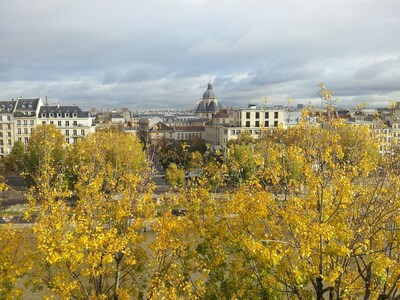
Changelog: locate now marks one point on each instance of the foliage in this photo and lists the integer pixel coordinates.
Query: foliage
(93, 249)
(175, 176)
(179, 152)
(16, 259)
(46, 149)
(311, 220)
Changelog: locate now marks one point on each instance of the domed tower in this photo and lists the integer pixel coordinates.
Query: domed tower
(209, 105)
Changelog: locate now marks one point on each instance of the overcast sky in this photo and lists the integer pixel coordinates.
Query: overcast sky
(161, 53)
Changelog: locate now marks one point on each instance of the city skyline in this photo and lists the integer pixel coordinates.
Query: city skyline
(161, 54)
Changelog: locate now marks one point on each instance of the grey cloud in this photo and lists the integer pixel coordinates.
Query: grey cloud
(161, 53)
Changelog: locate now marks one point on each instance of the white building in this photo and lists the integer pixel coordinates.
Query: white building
(74, 123)
(26, 118)
(18, 119)
(228, 125)
(6, 126)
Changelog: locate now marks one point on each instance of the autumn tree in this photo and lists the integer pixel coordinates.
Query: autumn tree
(46, 149)
(93, 249)
(175, 176)
(312, 220)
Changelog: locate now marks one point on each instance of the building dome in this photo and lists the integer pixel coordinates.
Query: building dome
(209, 94)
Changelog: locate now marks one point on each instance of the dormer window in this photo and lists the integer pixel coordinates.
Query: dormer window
(67, 115)
(51, 115)
(58, 115)
(74, 115)
(43, 115)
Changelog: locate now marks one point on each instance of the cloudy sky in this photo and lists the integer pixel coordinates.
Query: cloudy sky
(161, 53)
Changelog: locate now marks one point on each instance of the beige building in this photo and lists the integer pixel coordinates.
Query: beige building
(228, 125)
(6, 126)
(18, 119)
(74, 123)
(26, 118)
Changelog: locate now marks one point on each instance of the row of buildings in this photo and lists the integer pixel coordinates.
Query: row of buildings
(19, 117)
(209, 121)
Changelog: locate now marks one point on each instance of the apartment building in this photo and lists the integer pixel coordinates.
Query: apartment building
(25, 118)
(229, 124)
(6, 126)
(74, 123)
(18, 119)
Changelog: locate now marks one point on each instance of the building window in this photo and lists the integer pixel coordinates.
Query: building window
(43, 115)
(20, 140)
(59, 123)
(74, 132)
(83, 132)
(276, 115)
(247, 115)
(43, 122)
(257, 115)
(266, 124)
(26, 140)
(74, 115)
(75, 123)
(8, 118)
(18, 130)
(66, 123)
(58, 115)
(9, 142)
(267, 115)
(67, 132)
(67, 140)
(25, 130)
(51, 115)
(257, 123)
(25, 122)
(9, 134)
(32, 122)
(1, 150)
(247, 123)
(18, 122)
(276, 123)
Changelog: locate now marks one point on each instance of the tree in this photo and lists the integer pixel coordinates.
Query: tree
(94, 249)
(175, 176)
(16, 259)
(46, 150)
(313, 220)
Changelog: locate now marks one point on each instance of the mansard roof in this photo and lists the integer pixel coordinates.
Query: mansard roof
(65, 111)
(27, 104)
(7, 106)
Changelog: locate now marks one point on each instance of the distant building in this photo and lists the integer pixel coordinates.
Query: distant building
(229, 124)
(209, 104)
(18, 119)
(7, 126)
(74, 123)
(26, 118)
